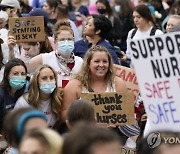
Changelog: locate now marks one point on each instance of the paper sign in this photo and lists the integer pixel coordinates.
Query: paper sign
(129, 76)
(112, 108)
(27, 29)
(126, 150)
(157, 65)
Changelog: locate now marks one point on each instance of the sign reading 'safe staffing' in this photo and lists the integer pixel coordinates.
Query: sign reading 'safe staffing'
(157, 65)
(27, 29)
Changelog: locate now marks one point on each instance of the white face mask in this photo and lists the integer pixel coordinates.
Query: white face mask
(117, 8)
(65, 47)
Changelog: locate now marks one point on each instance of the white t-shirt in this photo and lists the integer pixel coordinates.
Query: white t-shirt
(140, 35)
(51, 60)
(44, 107)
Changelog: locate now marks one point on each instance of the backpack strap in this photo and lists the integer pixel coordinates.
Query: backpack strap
(133, 33)
(153, 31)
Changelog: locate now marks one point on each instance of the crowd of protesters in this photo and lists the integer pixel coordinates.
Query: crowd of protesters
(41, 82)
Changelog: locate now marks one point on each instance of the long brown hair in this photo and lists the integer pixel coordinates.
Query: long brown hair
(85, 74)
(34, 92)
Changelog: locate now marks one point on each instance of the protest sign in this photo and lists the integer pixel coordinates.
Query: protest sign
(126, 150)
(27, 29)
(157, 65)
(112, 108)
(129, 76)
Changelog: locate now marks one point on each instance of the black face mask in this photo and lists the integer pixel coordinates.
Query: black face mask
(102, 11)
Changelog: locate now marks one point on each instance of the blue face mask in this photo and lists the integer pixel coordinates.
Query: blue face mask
(17, 82)
(47, 87)
(65, 47)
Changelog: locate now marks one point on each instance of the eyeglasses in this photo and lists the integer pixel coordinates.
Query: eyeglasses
(66, 39)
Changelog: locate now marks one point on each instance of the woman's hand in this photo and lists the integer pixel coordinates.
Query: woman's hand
(11, 45)
(124, 58)
(11, 42)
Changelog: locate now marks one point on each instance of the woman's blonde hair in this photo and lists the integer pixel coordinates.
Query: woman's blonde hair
(85, 74)
(61, 26)
(34, 92)
(50, 140)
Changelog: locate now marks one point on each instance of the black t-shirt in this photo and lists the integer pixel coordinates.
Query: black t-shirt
(7, 103)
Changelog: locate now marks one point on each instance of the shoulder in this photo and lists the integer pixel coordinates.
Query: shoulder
(79, 59)
(21, 102)
(158, 32)
(73, 86)
(120, 85)
(74, 83)
(130, 33)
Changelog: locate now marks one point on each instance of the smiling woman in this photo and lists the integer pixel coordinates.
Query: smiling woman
(96, 75)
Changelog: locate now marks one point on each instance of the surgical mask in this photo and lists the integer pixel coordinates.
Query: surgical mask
(65, 47)
(17, 82)
(102, 11)
(47, 87)
(117, 8)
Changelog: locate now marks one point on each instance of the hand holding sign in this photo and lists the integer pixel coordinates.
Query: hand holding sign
(112, 108)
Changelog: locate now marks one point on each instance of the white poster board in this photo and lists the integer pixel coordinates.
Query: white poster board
(157, 65)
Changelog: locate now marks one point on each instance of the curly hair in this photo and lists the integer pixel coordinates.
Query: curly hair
(85, 74)
(60, 26)
(103, 24)
(34, 92)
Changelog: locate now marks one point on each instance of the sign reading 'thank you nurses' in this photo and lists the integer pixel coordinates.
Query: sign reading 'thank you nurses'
(112, 108)
(157, 65)
(27, 29)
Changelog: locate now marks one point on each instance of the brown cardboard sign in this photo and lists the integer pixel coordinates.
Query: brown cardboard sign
(27, 29)
(129, 76)
(126, 150)
(112, 108)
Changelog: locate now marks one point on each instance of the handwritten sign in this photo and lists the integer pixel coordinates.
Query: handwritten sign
(157, 64)
(126, 150)
(27, 29)
(112, 108)
(129, 76)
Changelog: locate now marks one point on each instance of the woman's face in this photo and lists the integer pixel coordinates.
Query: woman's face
(171, 23)
(31, 50)
(31, 146)
(46, 75)
(89, 29)
(47, 8)
(65, 35)
(99, 64)
(100, 6)
(17, 71)
(139, 21)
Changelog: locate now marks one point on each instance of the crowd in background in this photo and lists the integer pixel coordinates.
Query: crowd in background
(41, 110)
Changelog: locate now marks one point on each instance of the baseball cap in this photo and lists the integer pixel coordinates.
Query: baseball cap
(11, 3)
(37, 12)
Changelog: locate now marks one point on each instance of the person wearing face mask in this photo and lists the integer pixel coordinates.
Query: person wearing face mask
(32, 49)
(12, 86)
(105, 9)
(43, 94)
(62, 60)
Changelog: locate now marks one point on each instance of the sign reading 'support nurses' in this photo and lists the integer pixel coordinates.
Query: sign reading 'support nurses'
(112, 108)
(157, 65)
(27, 29)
